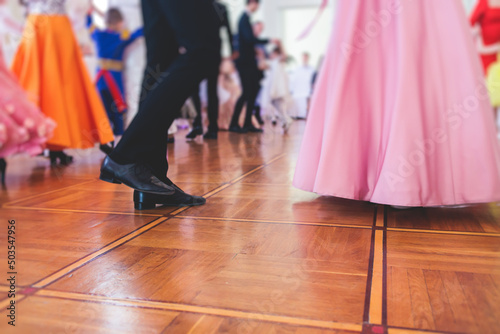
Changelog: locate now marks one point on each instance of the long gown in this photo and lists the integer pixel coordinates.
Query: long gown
(23, 128)
(400, 114)
(50, 67)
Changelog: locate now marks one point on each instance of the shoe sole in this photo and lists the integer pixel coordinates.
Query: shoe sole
(144, 201)
(140, 206)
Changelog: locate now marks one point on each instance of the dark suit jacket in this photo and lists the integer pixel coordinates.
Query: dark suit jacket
(247, 43)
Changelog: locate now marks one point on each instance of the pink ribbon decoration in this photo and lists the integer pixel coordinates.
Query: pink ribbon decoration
(314, 21)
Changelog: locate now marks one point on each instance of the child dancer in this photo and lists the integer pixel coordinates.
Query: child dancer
(111, 44)
(400, 114)
(49, 66)
(279, 92)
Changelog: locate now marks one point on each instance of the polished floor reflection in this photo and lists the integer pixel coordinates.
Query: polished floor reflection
(260, 257)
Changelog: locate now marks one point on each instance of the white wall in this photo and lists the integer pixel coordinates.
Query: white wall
(283, 19)
(286, 18)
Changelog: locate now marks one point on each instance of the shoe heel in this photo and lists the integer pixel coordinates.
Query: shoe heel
(140, 206)
(108, 177)
(143, 201)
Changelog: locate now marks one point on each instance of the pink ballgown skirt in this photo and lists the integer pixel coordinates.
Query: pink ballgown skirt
(400, 113)
(23, 128)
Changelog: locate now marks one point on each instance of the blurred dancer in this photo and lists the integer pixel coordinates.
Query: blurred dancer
(248, 70)
(302, 81)
(111, 44)
(486, 19)
(392, 120)
(23, 128)
(212, 83)
(50, 67)
(183, 46)
(262, 56)
(230, 91)
(278, 86)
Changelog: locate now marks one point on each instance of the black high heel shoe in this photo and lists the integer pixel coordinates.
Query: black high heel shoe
(61, 157)
(3, 168)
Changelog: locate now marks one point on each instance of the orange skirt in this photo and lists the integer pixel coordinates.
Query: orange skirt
(50, 67)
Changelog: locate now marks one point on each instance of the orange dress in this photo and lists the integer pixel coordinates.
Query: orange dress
(50, 67)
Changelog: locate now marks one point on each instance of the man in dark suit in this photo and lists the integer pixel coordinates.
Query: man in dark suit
(212, 83)
(183, 44)
(248, 69)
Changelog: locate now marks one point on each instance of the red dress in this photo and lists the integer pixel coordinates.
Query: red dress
(488, 19)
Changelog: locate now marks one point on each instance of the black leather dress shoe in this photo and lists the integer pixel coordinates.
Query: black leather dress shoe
(194, 133)
(137, 176)
(237, 129)
(145, 201)
(210, 135)
(252, 128)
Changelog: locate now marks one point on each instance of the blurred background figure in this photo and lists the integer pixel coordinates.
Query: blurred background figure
(262, 56)
(301, 86)
(486, 20)
(278, 86)
(229, 92)
(248, 69)
(50, 67)
(222, 17)
(111, 44)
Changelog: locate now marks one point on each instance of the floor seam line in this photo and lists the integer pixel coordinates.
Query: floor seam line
(40, 284)
(229, 184)
(205, 310)
(8, 204)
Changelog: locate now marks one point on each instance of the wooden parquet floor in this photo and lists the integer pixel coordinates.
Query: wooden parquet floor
(259, 257)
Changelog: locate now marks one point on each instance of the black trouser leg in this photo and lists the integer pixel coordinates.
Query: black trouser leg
(173, 80)
(250, 82)
(213, 98)
(197, 106)
(252, 96)
(237, 110)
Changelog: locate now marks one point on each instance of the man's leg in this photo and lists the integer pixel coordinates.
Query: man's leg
(258, 107)
(139, 160)
(197, 123)
(252, 96)
(166, 90)
(243, 99)
(197, 106)
(213, 98)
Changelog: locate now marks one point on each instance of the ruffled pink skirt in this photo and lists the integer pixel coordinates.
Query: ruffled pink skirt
(23, 128)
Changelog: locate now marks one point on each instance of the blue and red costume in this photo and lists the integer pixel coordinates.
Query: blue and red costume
(111, 47)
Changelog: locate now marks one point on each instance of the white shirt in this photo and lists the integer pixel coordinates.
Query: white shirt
(302, 81)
